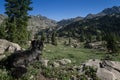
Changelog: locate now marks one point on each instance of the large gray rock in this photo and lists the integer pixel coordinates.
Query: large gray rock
(110, 70)
(64, 61)
(2, 56)
(44, 62)
(95, 45)
(8, 46)
(55, 64)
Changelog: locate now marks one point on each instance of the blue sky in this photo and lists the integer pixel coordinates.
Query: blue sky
(63, 9)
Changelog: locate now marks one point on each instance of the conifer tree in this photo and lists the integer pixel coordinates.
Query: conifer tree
(70, 41)
(111, 43)
(3, 30)
(53, 38)
(43, 37)
(48, 38)
(17, 11)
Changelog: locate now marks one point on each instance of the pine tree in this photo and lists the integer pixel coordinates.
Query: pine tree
(43, 37)
(111, 43)
(70, 41)
(82, 37)
(3, 30)
(17, 11)
(53, 38)
(48, 38)
(89, 38)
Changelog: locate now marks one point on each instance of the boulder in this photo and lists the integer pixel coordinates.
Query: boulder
(8, 46)
(44, 62)
(110, 70)
(2, 56)
(95, 45)
(55, 64)
(64, 61)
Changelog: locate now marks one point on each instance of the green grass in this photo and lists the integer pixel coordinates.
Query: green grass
(77, 55)
(51, 52)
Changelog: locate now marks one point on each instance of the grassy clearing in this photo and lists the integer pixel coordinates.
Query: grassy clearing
(77, 55)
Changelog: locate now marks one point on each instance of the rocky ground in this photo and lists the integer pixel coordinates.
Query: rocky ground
(91, 70)
(64, 68)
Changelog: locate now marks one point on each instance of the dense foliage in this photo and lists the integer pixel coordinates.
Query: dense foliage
(16, 25)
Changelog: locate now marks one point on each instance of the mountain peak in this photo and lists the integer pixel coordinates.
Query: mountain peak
(113, 10)
(107, 11)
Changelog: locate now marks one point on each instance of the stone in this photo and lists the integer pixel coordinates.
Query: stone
(8, 46)
(95, 45)
(64, 61)
(110, 70)
(2, 50)
(55, 64)
(2, 56)
(31, 77)
(44, 62)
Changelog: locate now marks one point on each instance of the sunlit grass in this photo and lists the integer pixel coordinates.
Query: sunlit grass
(77, 55)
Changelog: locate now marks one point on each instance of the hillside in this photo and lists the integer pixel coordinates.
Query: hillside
(36, 23)
(94, 24)
(65, 22)
(107, 11)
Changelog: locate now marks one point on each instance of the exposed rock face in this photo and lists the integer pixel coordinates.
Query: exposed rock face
(107, 11)
(44, 62)
(68, 21)
(64, 61)
(56, 63)
(37, 23)
(2, 56)
(8, 46)
(95, 45)
(106, 70)
(114, 9)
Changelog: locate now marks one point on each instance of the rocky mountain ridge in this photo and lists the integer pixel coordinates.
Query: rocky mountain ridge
(36, 23)
(68, 21)
(107, 11)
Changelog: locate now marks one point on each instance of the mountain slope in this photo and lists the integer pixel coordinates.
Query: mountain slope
(107, 11)
(65, 22)
(94, 26)
(36, 23)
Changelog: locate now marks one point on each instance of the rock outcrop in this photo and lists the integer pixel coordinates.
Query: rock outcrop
(8, 46)
(95, 45)
(37, 23)
(107, 11)
(106, 70)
